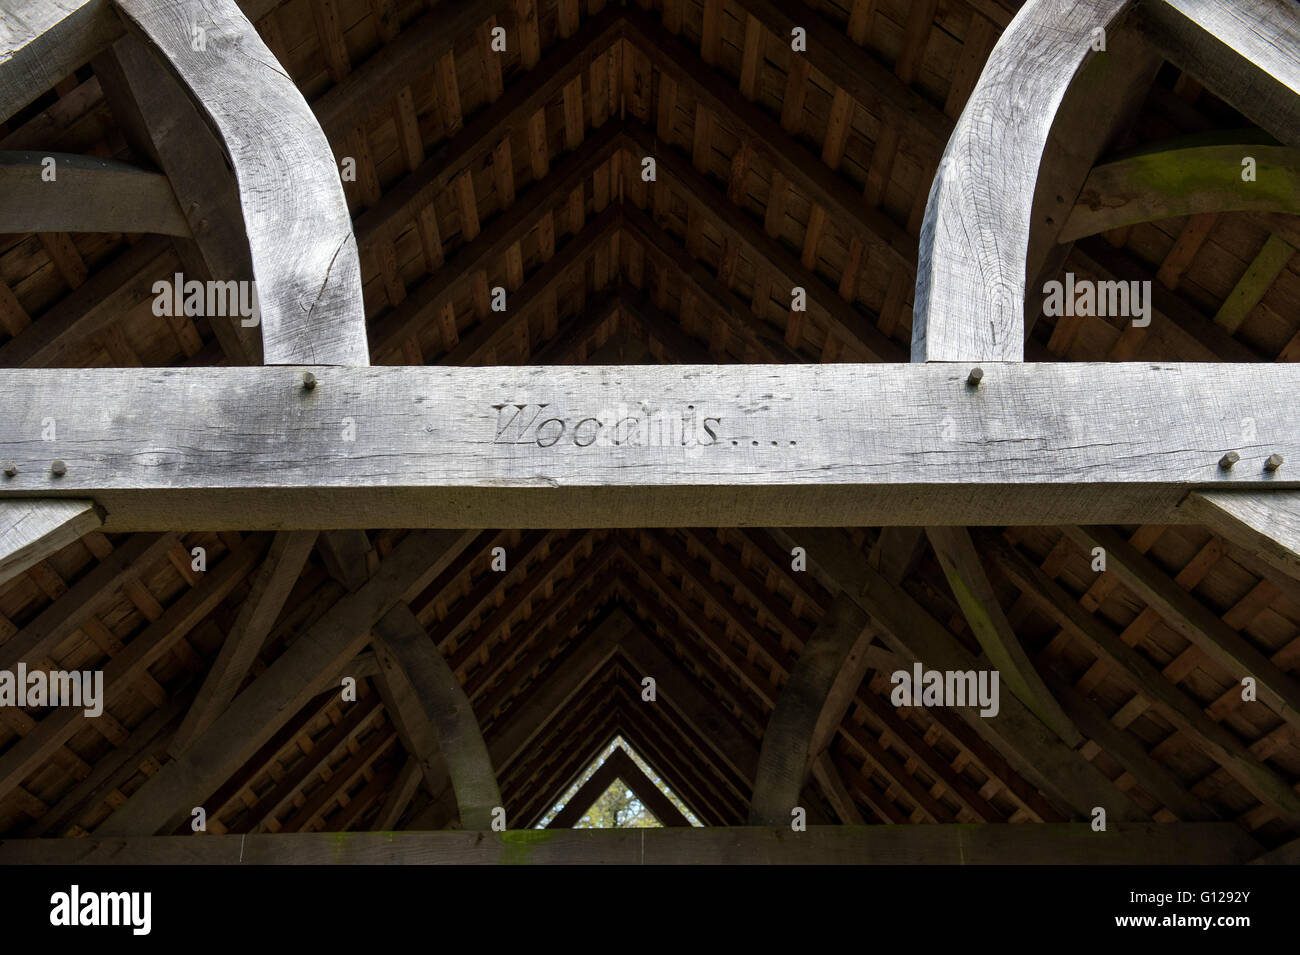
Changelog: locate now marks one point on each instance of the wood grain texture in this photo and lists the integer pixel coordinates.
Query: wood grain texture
(808, 702)
(41, 43)
(88, 194)
(838, 445)
(405, 652)
(32, 530)
(1203, 843)
(1185, 180)
(1245, 53)
(970, 283)
(1266, 523)
(304, 254)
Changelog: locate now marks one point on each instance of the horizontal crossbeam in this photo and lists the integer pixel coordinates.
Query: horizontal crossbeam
(1047, 844)
(806, 445)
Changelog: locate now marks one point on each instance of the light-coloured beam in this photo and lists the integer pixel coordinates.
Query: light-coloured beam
(86, 194)
(1049, 844)
(407, 655)
(838, 445)
(970, 282)
(41, 43)
(1243, 52)
(1182, 179)
(32, 530)
(1266, 523)
(809, 710)
(299, 230)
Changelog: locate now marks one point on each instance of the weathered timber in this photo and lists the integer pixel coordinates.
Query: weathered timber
(970, 282)
(299, 230)
(1266, 523)
(41, 43)
(86, 194)
(809, 709)
(1048, 844)
(31, 530)
(839, 445)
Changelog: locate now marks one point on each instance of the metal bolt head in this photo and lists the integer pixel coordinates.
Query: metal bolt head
(10, 469)
(1274, 462)
(975, 377)
(58, 468)
(1229, 459)
(308, 380)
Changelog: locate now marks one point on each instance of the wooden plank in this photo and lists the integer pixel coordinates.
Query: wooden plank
(862, 444)
(406, 653)
(129, 664)
(1266, 523)
(970, 285)
(979, 604)
(1242, 52)
(1254, 283)
(812, 704)
(1191, 843)
(1193, 620)
(88, 194)
(299, 230)
(32, 530)
(1143, 676)
(1176, 179)
(257, 615)
(295, 677)
(1035, 751)
(42, 43)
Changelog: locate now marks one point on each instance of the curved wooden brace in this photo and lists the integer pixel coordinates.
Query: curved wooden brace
(970, 280)
(300, 234)
(87, 194)
(1171, 181)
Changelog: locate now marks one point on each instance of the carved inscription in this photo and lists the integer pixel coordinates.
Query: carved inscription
(538, 424)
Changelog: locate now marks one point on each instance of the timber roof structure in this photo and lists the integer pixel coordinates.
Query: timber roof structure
(651, 184)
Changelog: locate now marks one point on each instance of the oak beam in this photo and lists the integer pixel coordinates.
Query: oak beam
(1047, 844)
(41, 43)
(838, 445)
(407, 654)
(1265, 523)
(809, 710)
(299, 229)
(970, 283)
(32, 530)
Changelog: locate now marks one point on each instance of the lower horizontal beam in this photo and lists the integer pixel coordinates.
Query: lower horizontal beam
(560, 446)
(992, 844)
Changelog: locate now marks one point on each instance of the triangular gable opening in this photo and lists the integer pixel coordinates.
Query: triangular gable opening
(618, 790)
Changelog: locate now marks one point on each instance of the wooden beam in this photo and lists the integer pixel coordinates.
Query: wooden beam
(1192, 843)
(128, 665)
(32, 530)
(907, 627)
(586, 796)
(1266, 523)
(1145, 678)
(295, 677)
(1242, 52)
(299, 229)
(42, 43)
(1193, 620)
(618, 766)
(979, 605)
(1181, 179)
(811, 707)
(407, 654)
(134, 442)
(87, 194)
(970, 283)
(257, 615)
(399, 795)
